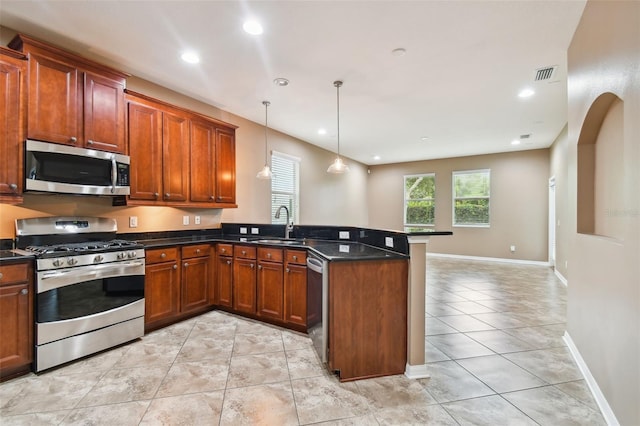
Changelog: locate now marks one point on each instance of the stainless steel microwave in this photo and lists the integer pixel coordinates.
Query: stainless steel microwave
(66, 169)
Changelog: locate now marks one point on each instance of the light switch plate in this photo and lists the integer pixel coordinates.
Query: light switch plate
(243, 229)
(133, 221)
(388, 241)
(255, 231)
(185, 220)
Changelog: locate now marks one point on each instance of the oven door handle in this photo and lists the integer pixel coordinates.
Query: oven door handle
(55, 279)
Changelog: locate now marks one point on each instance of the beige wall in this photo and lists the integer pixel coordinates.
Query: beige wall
(604, 273)
(559, 158)
(325, 199)
(518, 204)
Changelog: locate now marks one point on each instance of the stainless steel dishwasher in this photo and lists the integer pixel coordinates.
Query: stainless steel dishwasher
(318, 294)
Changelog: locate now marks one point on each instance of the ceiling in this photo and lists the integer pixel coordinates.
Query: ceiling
(453, 93)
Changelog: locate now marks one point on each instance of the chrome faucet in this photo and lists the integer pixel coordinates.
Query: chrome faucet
(289, 227)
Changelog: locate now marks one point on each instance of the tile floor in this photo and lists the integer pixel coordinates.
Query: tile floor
(494, 348)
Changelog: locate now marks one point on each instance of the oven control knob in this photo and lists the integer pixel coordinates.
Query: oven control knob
(72, 261)
(121, 255)
(98, 259)
(58, 263)
(132, 255)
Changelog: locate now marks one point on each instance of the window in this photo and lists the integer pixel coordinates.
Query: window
(419, 201)
(285, 183)
(471, 198)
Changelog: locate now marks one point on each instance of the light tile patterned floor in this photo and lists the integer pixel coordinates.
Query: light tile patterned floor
(494, 348)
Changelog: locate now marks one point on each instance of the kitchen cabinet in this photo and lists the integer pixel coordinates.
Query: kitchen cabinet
(13, 67)
(178, 157)
(16, 318)
(368, 318)
(72, 100)
(270, 288)
(223, 293)
(295, 290)
(196, 267)
(162, 286)
(244, 279)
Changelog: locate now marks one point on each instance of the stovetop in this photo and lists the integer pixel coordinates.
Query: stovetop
(79, 248)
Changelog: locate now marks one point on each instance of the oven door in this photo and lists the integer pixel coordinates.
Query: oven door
(73, 301)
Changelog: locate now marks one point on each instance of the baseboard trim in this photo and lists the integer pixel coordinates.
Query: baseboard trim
(605, 408)
(490, 259)
(562, 279)
(416, 371)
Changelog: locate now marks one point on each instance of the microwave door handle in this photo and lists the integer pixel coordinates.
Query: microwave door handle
(114, 173)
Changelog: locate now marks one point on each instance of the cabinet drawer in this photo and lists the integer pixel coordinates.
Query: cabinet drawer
(199, 250)
(225, 250)
(244, 252)
(11, 274)
(297, 256)
(270, 254)
(165, 254)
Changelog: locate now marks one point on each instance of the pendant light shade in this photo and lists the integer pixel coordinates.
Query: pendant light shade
(265, 173)
(338, 166)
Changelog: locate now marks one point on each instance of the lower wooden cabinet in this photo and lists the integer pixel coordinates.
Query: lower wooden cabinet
(244, 279)
(270, 298)
(16, 318)
(176, 283)
(295, 289)
(223, 284)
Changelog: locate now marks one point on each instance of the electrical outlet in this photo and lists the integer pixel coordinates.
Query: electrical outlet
(388, 241)
(133, 221)
(255, 231)
(513, 249)
(185, 220)
(343, 235)
(243, 230)
(196, 220)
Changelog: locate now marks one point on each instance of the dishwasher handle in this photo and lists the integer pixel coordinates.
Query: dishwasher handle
(316, 265)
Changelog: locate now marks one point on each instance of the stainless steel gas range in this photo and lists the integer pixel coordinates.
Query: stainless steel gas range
(89, 286)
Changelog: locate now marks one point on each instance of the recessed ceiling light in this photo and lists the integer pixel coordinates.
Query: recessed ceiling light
(253, 27)
(424, 138)
(399, 51)
(376, 157)
(190, 57)
(322, 131)
(515, 142)
(281, 82)
(526, 93)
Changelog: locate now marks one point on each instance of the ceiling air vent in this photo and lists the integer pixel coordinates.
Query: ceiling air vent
(545, 73)
(527, 136)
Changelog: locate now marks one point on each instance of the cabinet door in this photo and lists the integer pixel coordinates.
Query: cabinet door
(203, 154)
(295, 294)
(244, 285)
(11, 125)
(161, 292)
(225, 166)
(16, 318)
(270, 290)
(175, 157)
(195, 284)
(54, 104)
(145, 149)
(224, 282)
(104, 113)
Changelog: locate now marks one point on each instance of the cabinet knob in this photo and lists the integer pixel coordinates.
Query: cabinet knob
(259, 267)
(167, 195)
(156, 195)
(175, 266)
(90, 142)
(252, 266)
(186, 264)
(269, 255)
(244, 252)
(73, 139)
(24, 291)
(224, 250)
(228, 262)
(163, 255)
(295, 257)
(13, 186)
(288, 270)
(0, 275)
(211, 197)
(197, 251)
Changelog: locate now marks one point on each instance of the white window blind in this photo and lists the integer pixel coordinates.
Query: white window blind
(285, 183)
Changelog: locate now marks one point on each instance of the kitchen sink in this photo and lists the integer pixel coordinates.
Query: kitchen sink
(279, 241)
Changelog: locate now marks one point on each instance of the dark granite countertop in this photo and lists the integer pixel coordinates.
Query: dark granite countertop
(10, 255)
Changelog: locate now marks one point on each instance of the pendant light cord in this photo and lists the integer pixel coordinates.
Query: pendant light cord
(266, 125)
(338, 83)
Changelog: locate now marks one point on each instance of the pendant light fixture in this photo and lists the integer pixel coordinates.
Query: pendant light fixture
(265, 173)
(338, 166)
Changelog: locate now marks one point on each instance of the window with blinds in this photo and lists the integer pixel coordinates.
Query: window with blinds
(285, 184)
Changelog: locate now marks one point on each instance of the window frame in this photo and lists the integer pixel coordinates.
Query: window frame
(406, 225)
(295, 212)
(454, 199)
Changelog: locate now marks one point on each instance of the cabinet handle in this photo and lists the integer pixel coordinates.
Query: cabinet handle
(163, 255)
(90, 142)
(13, 187)
(24, 291)
(73, 139)
(175, 266)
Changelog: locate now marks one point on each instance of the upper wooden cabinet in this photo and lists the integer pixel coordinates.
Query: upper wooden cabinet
(72, 100)
(12, 124)
(179, 157)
